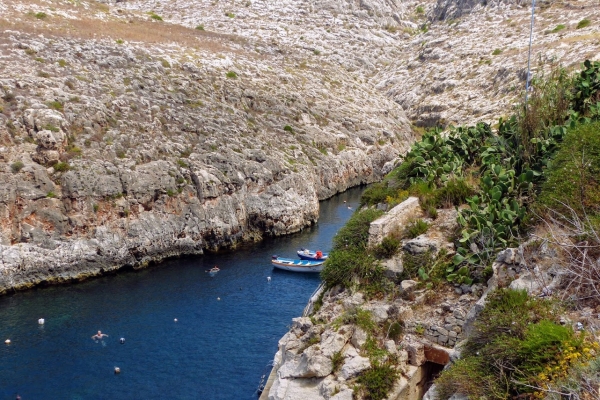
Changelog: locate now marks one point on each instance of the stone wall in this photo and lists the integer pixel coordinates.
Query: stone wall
(394, 220)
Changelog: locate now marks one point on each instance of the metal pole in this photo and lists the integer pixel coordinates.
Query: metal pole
(529, 56)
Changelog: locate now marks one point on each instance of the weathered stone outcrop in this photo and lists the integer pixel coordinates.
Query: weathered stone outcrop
(304, 363)
(118, 153)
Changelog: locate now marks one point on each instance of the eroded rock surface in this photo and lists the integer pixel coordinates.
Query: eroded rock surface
(152, 140)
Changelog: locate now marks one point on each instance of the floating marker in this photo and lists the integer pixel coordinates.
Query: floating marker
(218, 298)
(117, 370)
(175, 320)
(7, 341)
(268, 279)
(41, 321)
(122, 340)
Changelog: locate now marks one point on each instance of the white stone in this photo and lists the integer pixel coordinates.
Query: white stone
(354, 366)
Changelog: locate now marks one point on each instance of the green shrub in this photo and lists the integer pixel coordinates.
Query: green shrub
(182, 163)
(355, 234)
(62, 63)
(165, 63)
(155, 17)
(288, 128)
(543, 343)
(56, 105)
(61, 167)
(496, 52)
(95, 207)
(119, 41)
(469, 376)
(16, 166)
(349, 267)
(393, 330)
(583, 23)
(420, 10)
(547, 106)
(572, 181)
(387, 248)
(558, 28)
(587, 90)
(51, 195)
(337, 360)
(376, 382)
(416, 228)
(50, 127)
(316, 52)
(513, 339)
(377, 193)
(412, 264)
(231, 75)
(364, 320)
(200, 27)
(73, 150)
(230, 15)
(40, 15)
(454, 193)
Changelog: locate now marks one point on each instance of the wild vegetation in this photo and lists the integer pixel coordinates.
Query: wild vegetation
(519, 349)
(499, 173)
(539, 165)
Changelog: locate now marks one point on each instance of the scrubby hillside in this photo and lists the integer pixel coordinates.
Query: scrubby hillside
(134, 130)
(126, 139)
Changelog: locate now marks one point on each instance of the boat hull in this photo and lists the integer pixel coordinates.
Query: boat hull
(298, 265)
(311, 255)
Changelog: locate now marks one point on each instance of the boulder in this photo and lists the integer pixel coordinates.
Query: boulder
(295, 389)
(408, 286)
(354, 364)
(346, 394)
(359, 337)
(392, 267)
(420, 245)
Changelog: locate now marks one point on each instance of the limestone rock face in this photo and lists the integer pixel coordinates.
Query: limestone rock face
(132, 153)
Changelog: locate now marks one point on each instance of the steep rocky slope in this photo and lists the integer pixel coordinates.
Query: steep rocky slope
(134, 130)
(444, 61)
(164, 140)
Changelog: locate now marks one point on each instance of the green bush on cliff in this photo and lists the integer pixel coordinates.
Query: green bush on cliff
(516, 348)
(350, 262)
(572, 182)
(510, 163)
(355, 234)
(376, 382)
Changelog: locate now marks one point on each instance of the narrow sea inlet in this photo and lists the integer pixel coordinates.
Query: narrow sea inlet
(226, 331)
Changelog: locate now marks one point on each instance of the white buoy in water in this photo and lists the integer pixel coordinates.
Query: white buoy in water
(175, 320)
(268, 279)
(7, 341)
(41, 321)
(122, 340)
(117, 370)
(218, 298)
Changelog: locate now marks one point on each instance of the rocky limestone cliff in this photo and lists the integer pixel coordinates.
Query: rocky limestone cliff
(164, 140)
(133, 130)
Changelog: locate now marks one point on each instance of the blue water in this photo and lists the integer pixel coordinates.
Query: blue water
(218, 349)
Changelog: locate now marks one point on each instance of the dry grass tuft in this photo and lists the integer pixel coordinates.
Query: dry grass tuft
(94, 21)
